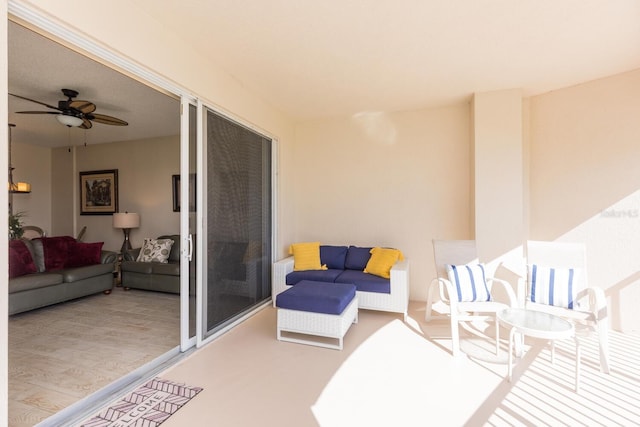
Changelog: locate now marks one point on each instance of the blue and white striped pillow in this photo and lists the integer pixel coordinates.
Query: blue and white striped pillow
(553, 286)
(470, 282)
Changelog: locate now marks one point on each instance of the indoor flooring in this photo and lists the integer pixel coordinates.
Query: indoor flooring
(62, 353)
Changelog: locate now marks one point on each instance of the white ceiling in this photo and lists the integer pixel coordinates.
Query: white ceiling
(314, 59)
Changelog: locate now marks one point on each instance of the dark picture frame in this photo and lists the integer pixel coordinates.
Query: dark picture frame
(99, 192)
(175, 181)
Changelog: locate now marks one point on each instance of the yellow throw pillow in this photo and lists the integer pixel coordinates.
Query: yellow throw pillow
(381, 261)
(306, 256)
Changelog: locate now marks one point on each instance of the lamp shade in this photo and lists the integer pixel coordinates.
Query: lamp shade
(126, 220)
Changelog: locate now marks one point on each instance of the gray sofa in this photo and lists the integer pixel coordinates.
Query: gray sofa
(152, 276)
(43, 288)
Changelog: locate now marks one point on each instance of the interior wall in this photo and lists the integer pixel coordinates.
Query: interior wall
(144, 169)
(376, 179)
(64, 190)
(585, 182)
(32, 164)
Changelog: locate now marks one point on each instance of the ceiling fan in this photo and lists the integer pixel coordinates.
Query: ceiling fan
(72, 112)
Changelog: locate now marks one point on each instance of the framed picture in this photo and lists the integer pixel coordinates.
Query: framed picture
(175, 181)
(99, 192)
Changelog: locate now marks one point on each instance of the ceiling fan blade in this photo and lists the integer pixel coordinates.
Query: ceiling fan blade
(37, 112)
(82, 106)
(107, 120)
(86, 124)
(37, 102)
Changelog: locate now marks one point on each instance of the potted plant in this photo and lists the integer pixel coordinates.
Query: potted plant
(15, 225)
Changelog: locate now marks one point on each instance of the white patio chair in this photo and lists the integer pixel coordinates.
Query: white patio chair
(558, 265)
(453, 295)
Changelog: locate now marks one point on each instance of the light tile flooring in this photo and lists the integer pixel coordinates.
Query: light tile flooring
(395, 373)
(62, 353)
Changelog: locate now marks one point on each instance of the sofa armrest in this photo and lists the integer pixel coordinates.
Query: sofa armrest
(131, 254)
(108, 257)
(400, 283)
(280, 270)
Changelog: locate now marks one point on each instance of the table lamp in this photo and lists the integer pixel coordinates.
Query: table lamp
(126, 221)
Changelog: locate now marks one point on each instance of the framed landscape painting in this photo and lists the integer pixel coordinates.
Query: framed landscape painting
(99, 192)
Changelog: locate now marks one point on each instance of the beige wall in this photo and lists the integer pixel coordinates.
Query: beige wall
(33, 165)
(144, 186)
(395, 180)
(585, 182)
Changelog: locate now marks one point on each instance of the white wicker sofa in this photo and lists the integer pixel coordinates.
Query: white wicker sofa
(392, 296)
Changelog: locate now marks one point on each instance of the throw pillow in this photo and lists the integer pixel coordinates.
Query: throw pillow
(81, 254)
(553, 286)
(20, 259)
(333, 256)
(56, 250)
(469, 281)
(306, 256)
(357, 258)
(155, 250)
(381, 261)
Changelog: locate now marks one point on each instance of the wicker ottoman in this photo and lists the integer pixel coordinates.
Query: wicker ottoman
(317, 308)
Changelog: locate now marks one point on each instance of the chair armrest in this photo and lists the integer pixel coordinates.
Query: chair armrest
(597, 302)
(108, 257)
(280, 270)
(131, 254)
(506, 286)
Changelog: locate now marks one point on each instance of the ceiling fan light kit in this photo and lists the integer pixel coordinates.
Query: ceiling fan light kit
(70, 121)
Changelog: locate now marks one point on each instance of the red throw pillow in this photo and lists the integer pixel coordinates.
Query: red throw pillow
(56, 251)
(20, 259)
(81, 254)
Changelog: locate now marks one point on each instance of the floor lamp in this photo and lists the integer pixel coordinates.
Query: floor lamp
(126, 221)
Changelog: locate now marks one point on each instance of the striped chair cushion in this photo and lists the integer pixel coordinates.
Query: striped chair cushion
(553, 286)
(470, 282)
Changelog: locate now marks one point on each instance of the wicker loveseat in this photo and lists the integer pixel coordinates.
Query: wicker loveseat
(346, 264)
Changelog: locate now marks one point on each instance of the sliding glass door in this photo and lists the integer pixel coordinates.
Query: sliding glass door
(237, 221)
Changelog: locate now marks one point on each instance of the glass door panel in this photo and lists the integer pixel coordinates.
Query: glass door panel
(238, 221)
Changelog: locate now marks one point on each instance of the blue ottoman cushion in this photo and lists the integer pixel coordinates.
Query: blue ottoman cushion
(329, 276)
(317, 297)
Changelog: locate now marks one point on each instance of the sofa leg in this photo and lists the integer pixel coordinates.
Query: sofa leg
(107, 292)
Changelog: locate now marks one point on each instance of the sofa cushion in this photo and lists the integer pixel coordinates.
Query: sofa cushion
(365, 282)
(74, 274)
(306, 256)
(169, 269)
(316, 297)
(81, 254)
(34, 281)
(136, 267)
(155, 250)
(20, 259)
(317, 275)
(357, 258)
(381, 261)
(333, 256)
(55, 251)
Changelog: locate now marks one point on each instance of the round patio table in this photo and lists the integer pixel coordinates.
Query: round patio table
(537, 324)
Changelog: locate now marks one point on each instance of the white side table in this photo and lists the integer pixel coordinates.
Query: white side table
(537, 324)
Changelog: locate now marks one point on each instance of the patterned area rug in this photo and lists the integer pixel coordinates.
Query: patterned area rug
(149, 405)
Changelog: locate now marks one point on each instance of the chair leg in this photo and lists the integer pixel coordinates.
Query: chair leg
(603, 338)
(497, 334)
(455, 335)
(427, 311)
